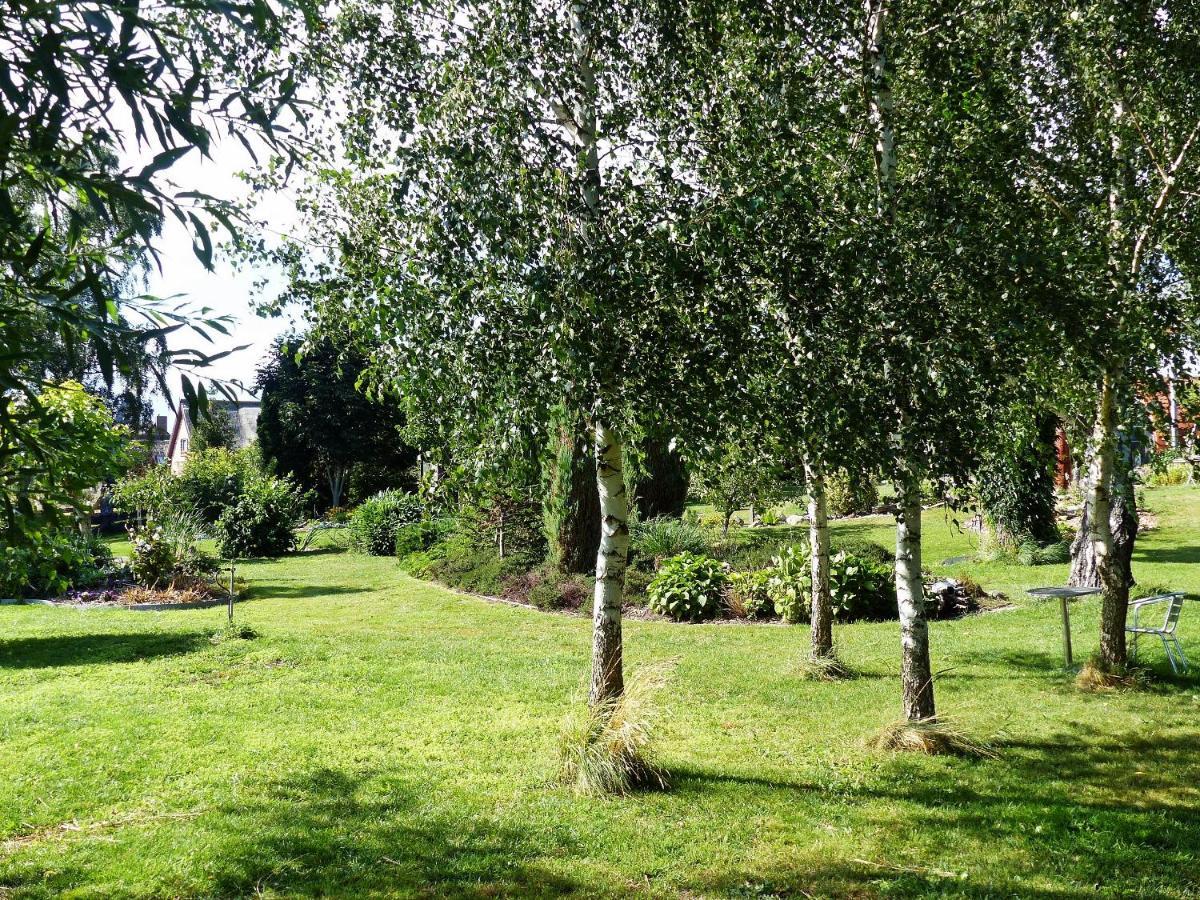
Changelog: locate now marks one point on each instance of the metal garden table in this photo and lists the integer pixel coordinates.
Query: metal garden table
(1064, 594)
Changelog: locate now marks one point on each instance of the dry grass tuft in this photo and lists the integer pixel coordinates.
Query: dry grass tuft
(934, 737)
(824, 668)
(1095, 677)
(604, 749)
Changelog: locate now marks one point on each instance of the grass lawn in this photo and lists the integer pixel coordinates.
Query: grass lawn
(386, 737)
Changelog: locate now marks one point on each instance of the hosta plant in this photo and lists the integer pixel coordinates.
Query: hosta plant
(689, 587)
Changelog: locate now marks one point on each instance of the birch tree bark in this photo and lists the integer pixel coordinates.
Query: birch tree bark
(608, 679)
(916, 679)
(1113, 582)
(915, 673)
(818, 538)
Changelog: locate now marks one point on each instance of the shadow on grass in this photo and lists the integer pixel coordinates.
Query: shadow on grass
(336, 833)
(94, 649)
(1180, 554)
(260, 590)
(1073, 814)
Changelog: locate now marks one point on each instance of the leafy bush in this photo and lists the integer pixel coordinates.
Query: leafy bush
(262, 520)
(416, 537)
(788, 583)
(374, 524)
(756, 549)
(865, 549)
(847, 495)
(50, 563)
(150, 494)
(771, 517)
(1031, 554)
(637, 583)
(689, 588)
(657, 539)
(213, 479)
(166, 553)
(749, 597)
(1170, 475)
(859, 588)
(559, 592)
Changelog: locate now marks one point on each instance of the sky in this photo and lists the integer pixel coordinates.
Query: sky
(225, 290)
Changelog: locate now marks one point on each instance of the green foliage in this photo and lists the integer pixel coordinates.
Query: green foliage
(789, 583)
(750, 594)
(656, 539)
(1030, 553)
(164, 553)
(376, 521)
(637, 586)
(50, 563)
(319, 428)
(864, 549)
(214, 430)
(151, 493)
(848, 494)
(262, 521)
(859, 587)
(78, 446)
(1015, 483)
(689, 588)
(553, 591)
(418, 537)
(82, 211)
(460, 561)
(736, 476)
(212, 480)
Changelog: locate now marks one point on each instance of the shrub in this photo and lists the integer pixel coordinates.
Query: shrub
(553, 593)
(757, 549)
(657, 539)
(858, 588)
(788, 583)
(749, 597)
(213, 479)
(416, 537)
(461, 562)
(373, 525)
(1031, 554)
(262, 520)
(1170, 475)
(867, 550)
(637, 583)
(165, 553)
(150, 494)
(771, 517)
(847, 495)
(51, 563)
(689, 588)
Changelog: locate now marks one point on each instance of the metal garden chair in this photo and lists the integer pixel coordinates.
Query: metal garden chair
(1166, 632)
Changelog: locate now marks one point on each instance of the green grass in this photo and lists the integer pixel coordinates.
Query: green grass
(386, 737)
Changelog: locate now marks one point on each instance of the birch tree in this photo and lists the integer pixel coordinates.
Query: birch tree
(509, 239)
(1114, 92)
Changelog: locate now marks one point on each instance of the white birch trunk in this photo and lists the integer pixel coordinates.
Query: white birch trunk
(915, 672)
(880, 106)
(818, 539)
(1113, 583)
(608, 679)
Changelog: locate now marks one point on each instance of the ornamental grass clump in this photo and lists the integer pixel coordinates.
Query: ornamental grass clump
(933, 737)
(604, 748)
